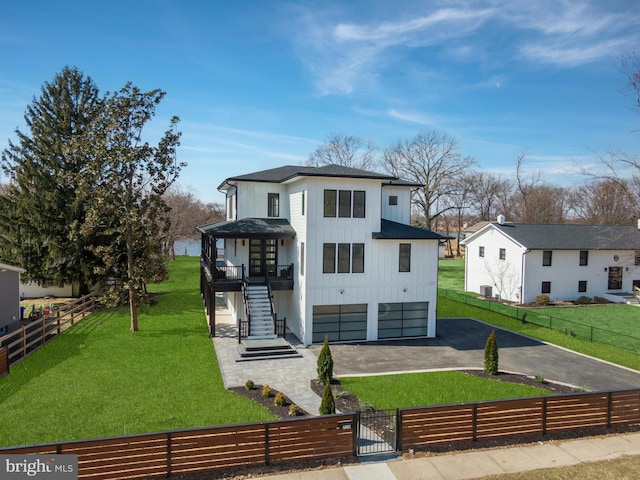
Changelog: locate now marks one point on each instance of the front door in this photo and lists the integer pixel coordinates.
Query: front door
(262, 252)
(615, 278)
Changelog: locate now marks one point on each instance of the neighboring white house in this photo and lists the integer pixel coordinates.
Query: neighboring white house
(518, 262)
(9, 297)
(33, 290)
(338, 250)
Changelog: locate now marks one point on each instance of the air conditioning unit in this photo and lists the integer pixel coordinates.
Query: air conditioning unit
(485, 291)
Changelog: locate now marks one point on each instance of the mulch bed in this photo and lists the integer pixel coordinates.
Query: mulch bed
(255, 394)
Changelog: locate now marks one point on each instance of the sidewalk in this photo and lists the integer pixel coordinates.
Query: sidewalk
(477, 464)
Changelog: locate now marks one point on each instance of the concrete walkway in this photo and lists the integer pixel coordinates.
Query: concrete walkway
(291, 376)
(478, 464)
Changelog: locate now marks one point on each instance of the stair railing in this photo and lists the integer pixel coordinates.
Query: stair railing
(244, 326)
(274, 315)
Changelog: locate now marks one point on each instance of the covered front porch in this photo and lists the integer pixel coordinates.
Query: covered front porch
(236, 254)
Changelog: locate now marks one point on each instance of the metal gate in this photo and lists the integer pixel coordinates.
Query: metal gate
(377, 431)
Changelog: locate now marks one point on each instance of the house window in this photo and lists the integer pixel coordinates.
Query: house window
(546, 258)
(582, 286)
(344, 257)
(503, 254)
(615, 278)
(330, 202)
(481, 251)
(393, 200)
(359, 200)
(304, 195)
(273, 208)
(329, 258)
(357, 258)
(546, 287)
(302, 258)
(404, 263)
(584, 258)
(344, 205)
(637, 257)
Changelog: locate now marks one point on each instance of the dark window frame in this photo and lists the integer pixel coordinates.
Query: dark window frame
(329, 252)
(330, 203)
(545, 288)
(481, 251)
(273, 204)
(547, 258)
(584, 258)
(393, 200)
(582, 286)
(357, 258)
(344, 258)
(359, 203)
(404, 257)
(344, 203)
(502, 254)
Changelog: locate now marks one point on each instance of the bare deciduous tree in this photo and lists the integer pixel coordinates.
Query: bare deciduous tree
(345, 150)
(604, 202)
(486, 193)
(433, 160)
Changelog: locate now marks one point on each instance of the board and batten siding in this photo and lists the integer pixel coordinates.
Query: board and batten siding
(253, 199)
(400, 213)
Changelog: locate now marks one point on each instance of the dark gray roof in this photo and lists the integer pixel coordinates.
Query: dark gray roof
(402, 183)
(250, 228)
(399, 231)
(573, 237)
(282, 174)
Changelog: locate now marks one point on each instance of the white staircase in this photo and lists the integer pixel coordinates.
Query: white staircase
(259, 309)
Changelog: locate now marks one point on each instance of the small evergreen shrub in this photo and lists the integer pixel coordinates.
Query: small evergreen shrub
(280, 400)
(294, 410)
(325, 363)
(267, 391)
(491, 355)
(600, 300)
(328, 404)
(249, 385)
(584, 300)
(539, 379)
(542, 299)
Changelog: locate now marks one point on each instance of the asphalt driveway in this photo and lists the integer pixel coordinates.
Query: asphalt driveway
(460, 345)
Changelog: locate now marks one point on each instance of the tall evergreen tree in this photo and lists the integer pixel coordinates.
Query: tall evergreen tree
(127, 185)
(42, 208)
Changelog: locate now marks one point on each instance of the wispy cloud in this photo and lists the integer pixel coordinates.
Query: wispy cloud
(346, 55)
(413, 117)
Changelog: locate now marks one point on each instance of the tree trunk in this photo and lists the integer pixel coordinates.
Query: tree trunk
(130, 281)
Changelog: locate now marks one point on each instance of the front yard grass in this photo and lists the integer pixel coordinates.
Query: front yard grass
(98, 379)
(432, 388)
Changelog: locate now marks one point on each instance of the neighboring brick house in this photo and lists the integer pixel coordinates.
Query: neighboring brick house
(566, 261)
(337, 249)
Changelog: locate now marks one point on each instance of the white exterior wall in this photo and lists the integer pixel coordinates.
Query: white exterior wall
(253, 199)
(504, 276)
(565, 272)
(292, 304)
(33, 290)
(401, 212)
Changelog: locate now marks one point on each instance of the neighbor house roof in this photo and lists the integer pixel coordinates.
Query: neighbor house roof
(571, 236)
(250, 227)
(11, 268)
(287, 172)
(399, 231)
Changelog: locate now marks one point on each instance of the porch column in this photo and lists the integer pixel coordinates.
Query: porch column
(212, 312)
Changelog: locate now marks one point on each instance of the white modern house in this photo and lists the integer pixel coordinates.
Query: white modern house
(517, 262)
(330, 249)
(9, 297)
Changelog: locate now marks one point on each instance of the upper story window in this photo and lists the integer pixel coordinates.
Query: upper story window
(503, 253)
(273, 205)
(350, 258)
(344, 206)
(393, 200)
(330, 203)
(345, 203)
(584, 258)
(481, 251)
(546, 258)
(404, 263)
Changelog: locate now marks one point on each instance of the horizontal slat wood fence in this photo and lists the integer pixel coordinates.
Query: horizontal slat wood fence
(423, 427)
(207, 449)
(33, 335)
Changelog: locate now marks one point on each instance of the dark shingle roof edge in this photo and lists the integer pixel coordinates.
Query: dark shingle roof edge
(250, 227)
(390, 230)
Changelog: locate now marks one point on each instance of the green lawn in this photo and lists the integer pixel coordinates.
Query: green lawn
(451, 274)
(98, 379)
(434, 388)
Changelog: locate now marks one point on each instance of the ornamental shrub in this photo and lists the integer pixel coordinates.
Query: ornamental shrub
(491, 355)
(249, 385)
(584, 300)
(280, 400)
(325, 363)
(542, 299)
(294, 410)
(267, 391)
(328, 404)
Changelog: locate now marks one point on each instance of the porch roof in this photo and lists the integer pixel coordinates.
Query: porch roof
(399, 231)
(250, 228)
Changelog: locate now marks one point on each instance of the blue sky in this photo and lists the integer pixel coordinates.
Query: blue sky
(260, 84)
